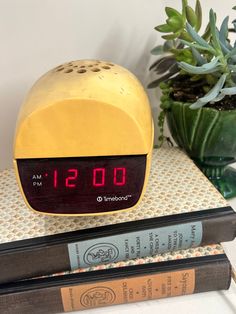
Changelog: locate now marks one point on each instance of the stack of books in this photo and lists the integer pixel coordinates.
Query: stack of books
(167, 246)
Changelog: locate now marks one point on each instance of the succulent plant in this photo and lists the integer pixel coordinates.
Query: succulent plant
(209, 57)
(186, 52)
(173, 50)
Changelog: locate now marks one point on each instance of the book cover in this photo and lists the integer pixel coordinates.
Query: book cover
(170, 274)
(181, 209)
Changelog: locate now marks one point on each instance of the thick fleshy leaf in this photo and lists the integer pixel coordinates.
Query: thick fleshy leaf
(164, 28)
(153, 65)
(184, 5)
(231, 53)
(225, 92)
(185, 36)
(173, 70)
(191, 16)
(160, 60)
(224, 30)
(211, 95)
(198, 57)
(187, 43)
(198, 12)
(169, 44)
(171, 37)
(178, 44)
(172, 12)
(165, 65)
(207, 33)
(175, 23)
(224, 49)
(223, 35)
(199, 40)
(232, 60)
(158, 50)
(218, 98)
(214, 33)
(206, 68)
(228, 91)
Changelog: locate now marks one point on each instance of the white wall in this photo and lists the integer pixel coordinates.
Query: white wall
(36, 35)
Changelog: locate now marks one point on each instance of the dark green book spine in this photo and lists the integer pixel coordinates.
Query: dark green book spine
(113, 243)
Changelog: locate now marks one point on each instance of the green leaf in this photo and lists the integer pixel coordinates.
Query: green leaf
(198, 57)
(185, 36)
(154, 64)
(218, 98)
(169, 44)
(214, 33)
(164, 65)
(184, 5)
(207, 33)
(206, 68)
(231, 53)
(199, 47)
(175, 23)
(158, 50)
(229, 91)
(198, 12)
(160, 60)
(224, 30)
(170, 37)
(172, 12)
(191, 16)
(164, 28)
(224, 44)
(232, 60)
(234, 8)
(199, 40)
(211, 95)
(224, 49)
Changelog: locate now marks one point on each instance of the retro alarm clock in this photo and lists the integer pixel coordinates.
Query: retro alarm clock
(83, 140)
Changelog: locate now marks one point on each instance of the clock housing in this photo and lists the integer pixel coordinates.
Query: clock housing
(83, 140)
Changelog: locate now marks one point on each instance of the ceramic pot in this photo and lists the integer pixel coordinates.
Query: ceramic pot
(209, 138)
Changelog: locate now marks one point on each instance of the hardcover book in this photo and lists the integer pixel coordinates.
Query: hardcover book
(170, 274)
(180, 209)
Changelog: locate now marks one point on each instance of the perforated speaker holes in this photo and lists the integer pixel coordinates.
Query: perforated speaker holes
(75, 67)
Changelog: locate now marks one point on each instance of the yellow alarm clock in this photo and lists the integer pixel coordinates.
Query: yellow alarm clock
(84, 140)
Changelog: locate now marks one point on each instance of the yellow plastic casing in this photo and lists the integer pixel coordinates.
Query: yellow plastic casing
(84, 108)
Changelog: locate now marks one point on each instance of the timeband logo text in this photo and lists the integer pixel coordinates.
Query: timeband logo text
(113, 198)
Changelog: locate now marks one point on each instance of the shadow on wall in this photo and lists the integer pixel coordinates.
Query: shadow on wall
(9, 117)
(128, 56)
(137, 62)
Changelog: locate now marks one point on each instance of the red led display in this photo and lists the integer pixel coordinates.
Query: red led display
(82, 185)
(99, 177)
(119, 176)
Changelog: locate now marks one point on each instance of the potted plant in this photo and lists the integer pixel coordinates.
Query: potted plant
(196, 72)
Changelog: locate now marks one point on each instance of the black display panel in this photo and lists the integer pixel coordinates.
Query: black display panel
(82, 185)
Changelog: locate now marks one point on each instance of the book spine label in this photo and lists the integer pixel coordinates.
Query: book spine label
(135, 244)
(128, 290)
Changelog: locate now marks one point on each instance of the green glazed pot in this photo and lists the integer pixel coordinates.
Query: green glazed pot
(209, 138)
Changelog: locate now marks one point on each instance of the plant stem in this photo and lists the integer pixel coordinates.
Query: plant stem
(225, 69)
